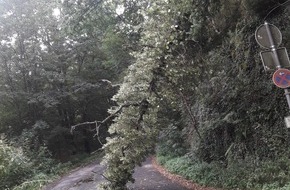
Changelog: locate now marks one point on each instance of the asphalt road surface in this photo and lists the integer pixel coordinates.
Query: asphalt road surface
(146, 177)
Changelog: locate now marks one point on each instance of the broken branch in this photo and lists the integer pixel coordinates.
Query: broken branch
(104, 121)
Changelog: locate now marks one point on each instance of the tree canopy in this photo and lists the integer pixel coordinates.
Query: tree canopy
(57, 70)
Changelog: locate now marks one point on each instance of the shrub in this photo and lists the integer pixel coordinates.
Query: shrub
(37, 182)
(14, 166)
(242, 174)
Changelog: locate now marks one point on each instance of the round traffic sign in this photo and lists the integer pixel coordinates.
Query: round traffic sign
(267, 31)
(281, 78)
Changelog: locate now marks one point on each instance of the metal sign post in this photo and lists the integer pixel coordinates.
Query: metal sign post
(269, 36)
(287, 93)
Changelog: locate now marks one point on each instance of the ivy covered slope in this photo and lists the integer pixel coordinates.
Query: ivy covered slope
(210, 104)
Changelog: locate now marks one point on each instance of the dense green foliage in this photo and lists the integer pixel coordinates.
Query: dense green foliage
(56, 71)
(14, 166)
(191, 82)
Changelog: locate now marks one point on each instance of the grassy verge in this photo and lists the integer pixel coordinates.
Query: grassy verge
(267, 175)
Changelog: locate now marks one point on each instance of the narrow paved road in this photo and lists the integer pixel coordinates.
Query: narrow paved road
(148, 178)
(87, 178)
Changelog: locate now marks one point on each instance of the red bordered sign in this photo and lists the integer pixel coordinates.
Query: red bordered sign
(281, 78)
